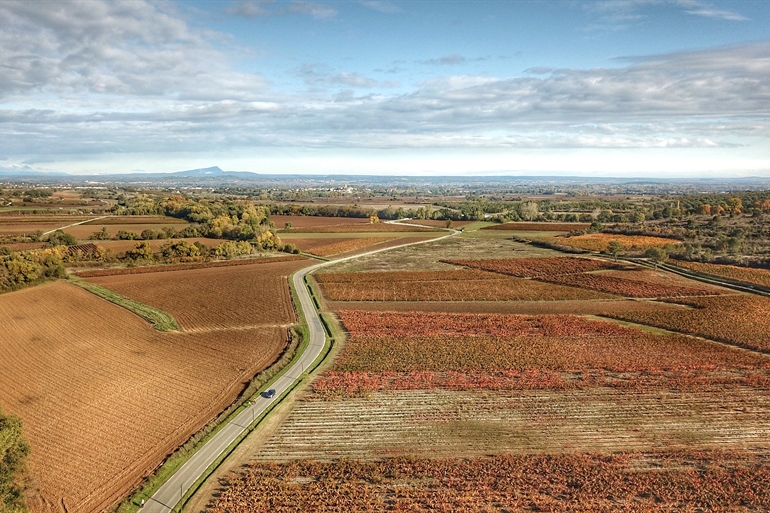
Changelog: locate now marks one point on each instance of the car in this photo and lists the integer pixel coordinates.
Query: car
(269, 394)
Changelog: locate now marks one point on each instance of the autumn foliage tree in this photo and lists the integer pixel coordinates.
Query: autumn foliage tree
(13, 456)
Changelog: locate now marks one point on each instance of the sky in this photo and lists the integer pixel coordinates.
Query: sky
(626, 88)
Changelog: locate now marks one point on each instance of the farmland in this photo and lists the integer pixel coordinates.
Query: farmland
(731, 272)
(600, 241)
(444, 286)
(188, 295)
(538, 227)
(104, 397)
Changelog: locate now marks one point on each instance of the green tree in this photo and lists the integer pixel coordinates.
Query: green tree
(657, 255)
(59, 238)
(615, 248)
(13, 457)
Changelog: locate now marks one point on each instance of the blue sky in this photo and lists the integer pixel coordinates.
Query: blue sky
(593, 88)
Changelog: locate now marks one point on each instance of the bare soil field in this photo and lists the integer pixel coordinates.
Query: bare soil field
(83, 231)
(301, 222)
(31, 228)
(221, 298)
(104, 397)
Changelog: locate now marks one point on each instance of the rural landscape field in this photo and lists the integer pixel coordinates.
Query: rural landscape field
(471, 364)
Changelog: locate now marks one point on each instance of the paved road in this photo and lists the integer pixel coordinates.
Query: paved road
(73, 224)
(174, 489)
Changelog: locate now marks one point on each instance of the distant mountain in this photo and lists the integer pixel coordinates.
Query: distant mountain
(206, 171)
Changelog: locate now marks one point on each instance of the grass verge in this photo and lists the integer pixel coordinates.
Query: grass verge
(159, 319)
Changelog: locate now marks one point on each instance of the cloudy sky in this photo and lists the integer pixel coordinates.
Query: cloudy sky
(605, 88)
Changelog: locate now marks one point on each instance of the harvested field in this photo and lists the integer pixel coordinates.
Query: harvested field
(420, 341)
(742, 320)
(184, 267)
(600, 241)
(360, 228)
(83, 231)
(125, 220)
(55, 219)
(219, 298)
(438, 422)
(576, 307)
(9, 229)
(308, 244)
(104, 397)
(539, 227)
(536, 267)
(457, 285)
(731, 272)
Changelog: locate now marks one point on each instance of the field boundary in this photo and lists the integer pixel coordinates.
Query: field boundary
(160, 320)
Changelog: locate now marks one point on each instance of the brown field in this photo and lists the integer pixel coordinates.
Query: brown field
(539, 227)
(731, 272)
(119, 247)
(537, 267)
(104, 397)
(334, 248)
(624, 287)
(301, 222)
(576, 307)
(83, 231)
(23, 246)
(467, 285)
(163, 268)
(47, 219)
(214, 298)
(359, 228)
(123, 220)
(31, 228)
(437, 223)
(742, 320)
(308, 244)
(661, 481)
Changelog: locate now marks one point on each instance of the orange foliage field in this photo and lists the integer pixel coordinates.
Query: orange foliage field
(460, 285)
(184, 267)
(632, 482)
(600, 241)
(626, 288)
(742, 320)
(539, 227)
(104, 397)
(347, 245)
(731, 272)
(214, 298)
(389, 350)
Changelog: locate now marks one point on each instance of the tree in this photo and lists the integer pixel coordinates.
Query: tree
(13, 457)
(529, 210)
(59, 238)
(142, 251)
(657, 255)
(448, 223)
(615, 248)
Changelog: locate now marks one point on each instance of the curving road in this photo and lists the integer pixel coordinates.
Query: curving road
(172, 491)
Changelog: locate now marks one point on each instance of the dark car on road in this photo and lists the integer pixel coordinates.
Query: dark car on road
(269, 394)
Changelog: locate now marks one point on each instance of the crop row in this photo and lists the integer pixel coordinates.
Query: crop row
(742, 320)
(335, 384)
(731, 272)
(600, 241)
(348, 245)
(623, 287)
(536, 267)
(121, 271)
(682, 480)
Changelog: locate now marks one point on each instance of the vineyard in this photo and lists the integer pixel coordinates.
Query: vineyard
(359, 228)
(539, 227)
(680, 480)
(626, 288)
(347, 245)
(600, 241)
(104, 397)
(731, 272)
(404, 342)
(456, 285)
(122, 271)
(742, 320)
(536, 267)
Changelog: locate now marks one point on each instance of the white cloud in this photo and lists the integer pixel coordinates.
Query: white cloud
(619, 14)
(384, 7)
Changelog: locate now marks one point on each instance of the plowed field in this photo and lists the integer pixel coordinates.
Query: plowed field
(301, 222)
(214, 298)
(104, 397)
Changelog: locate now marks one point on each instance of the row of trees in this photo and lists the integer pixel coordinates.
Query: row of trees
(19, 269)
(13, 457)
